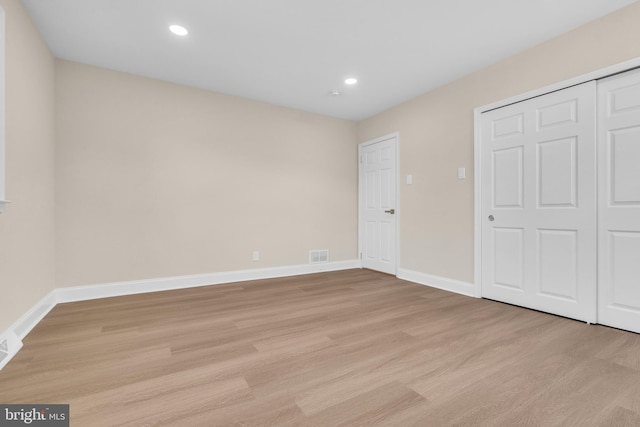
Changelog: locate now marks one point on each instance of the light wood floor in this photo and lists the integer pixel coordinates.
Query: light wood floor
(352, 348)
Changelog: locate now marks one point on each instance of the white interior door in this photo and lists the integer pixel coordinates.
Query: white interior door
(539, 203)
(619, 201)
(377, 188)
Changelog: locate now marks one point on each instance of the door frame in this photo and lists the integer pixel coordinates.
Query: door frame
(396, 136)
(477, 146)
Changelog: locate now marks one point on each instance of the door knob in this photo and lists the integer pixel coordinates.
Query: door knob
(491, 217)
(390, 211)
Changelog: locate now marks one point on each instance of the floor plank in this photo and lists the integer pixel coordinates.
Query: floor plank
(349, 348)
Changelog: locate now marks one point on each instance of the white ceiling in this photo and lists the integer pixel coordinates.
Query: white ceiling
(294, 52)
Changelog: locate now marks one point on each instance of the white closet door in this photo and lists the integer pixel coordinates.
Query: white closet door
(539, 203)
(619, 201)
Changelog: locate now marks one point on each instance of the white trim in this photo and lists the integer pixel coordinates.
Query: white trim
(477, 211)
(398, 204)
(13, 343)
(83, 293)
(444, 283)
(31, 318)
(477, 144)
(16, 333)
(594, 75)
(21, 328)
(398, 213)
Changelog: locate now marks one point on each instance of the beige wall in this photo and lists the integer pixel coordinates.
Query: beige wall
(27, 224)
(436, 137)
(158, 180)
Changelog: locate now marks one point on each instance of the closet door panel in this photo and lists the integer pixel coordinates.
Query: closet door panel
(619, 201)
(539, 203)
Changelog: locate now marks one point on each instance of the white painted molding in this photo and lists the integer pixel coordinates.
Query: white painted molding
(83, 293)
(446, 284)
(13, 337)
(31, 318)
(594, 75)
(15, 334)
(9, 346)
(477, 201)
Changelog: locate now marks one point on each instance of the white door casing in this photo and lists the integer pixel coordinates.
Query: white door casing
(619, 201)
(377, 181)
(538, 184)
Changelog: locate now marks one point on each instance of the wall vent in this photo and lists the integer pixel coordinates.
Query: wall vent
(319, 256)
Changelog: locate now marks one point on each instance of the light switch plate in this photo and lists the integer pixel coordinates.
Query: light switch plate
(462, 173)
(409, 179)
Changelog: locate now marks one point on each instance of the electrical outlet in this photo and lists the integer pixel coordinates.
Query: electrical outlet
(256, 256)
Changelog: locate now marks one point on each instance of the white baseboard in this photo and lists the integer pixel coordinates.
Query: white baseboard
(31, 318)
(451, 285)
(83, 293)
(12, 338)
(9, 346)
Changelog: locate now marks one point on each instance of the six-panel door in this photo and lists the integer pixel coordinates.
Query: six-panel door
(539, 203)
(619, 206)
(378, 205)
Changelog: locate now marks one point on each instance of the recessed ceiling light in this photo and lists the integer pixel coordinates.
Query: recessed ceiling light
(351, 81)
(335, 92)
(178, 30)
